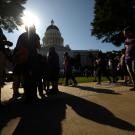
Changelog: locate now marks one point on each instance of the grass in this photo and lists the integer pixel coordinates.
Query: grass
(78, 79)
(82, 79)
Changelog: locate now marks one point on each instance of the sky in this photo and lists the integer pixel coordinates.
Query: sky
(72, 17)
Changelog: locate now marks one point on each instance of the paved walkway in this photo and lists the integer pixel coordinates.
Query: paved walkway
(87, 109)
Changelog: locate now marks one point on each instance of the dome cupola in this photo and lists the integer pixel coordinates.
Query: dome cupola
(52, 36)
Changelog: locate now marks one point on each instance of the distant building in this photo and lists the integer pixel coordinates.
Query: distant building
(86, 56)
(53, 38)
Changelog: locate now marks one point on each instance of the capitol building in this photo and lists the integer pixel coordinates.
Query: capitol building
(53, 38)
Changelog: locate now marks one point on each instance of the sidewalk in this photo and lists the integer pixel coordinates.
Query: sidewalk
(87, 109)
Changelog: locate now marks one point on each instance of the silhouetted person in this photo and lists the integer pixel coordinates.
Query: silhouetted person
(3, 56)
(129, 34)
(101, 68)
(53, 68)
(68, 69)
(27, 57)
(112, 65)
(44, 66)
(122, 69)
(40, 75)
(17, 75)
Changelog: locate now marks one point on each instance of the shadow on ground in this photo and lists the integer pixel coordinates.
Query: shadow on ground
(45, 117)
(98, 90)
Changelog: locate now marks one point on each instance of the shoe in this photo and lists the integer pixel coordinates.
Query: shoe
(52, 92)
(75, 84)
(32, 100)
(98, 83)
(17, 95)
(132, 89)
(42, 96)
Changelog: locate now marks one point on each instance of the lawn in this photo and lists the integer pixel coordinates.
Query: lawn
(81, 80)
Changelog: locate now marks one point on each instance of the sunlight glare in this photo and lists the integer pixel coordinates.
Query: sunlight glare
(30, 18)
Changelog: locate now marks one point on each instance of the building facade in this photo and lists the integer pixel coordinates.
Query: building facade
(53, 38)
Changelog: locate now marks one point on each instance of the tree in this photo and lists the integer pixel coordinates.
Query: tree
(11, 12)
(111, 17)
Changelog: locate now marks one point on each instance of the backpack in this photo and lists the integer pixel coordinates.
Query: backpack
(21, 51)
(21, 55)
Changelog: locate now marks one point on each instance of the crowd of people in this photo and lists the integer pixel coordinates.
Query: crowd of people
(35, 72)
(3, 56)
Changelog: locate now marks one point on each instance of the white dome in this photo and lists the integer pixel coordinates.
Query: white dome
(52, 36)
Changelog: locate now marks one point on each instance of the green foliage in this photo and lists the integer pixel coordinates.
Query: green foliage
(83, 79)
(78, 79)
(111, 17)
(11, 12)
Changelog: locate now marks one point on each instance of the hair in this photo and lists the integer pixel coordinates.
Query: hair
(30, 28)
(130, 29)
(66, 54)
(1, 32)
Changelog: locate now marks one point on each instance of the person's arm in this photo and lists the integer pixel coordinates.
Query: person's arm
(37, 44)
(4, 38)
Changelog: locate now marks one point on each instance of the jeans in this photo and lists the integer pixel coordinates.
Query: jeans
(130, 69)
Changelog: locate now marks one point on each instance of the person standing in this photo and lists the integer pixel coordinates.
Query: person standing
(3, 56)
(129, 34)
(102, 68)
(122, 69)
(53, 68)
(68, 69)
(27, 60)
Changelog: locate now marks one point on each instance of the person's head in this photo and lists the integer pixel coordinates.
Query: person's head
(123, 51)
(1, 32)
(30, 29)
(129, 31)
(51, 50)
(66, 54)
(2, 36)
(99, 54)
